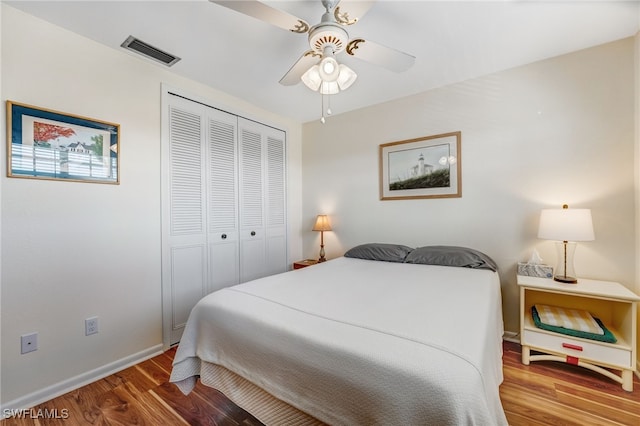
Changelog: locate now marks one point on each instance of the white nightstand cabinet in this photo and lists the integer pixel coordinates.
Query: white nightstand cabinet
(611, 302)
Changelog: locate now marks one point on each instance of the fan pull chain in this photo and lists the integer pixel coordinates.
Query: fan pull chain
(328, 110)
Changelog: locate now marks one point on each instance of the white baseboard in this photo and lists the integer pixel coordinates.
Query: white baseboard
(65, 386)
(511, 336)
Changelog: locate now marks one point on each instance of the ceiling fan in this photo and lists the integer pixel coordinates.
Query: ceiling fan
(317, 67)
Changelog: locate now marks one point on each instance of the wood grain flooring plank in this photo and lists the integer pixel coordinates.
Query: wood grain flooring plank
(165, 360)
(549, 411)
(83, 403)
(629, 401)
(585, 400)
(225, 404)
(156, 373)
(154, 413)
(174, 415)
(193, 408)
(532, 381)
(135, 377)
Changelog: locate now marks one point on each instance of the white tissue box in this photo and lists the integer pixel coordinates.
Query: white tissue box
(535, 270)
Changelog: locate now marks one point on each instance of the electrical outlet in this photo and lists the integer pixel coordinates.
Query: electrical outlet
(90, 326)
(28, 343)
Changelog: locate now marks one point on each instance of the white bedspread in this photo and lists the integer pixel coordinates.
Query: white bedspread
(359, 342)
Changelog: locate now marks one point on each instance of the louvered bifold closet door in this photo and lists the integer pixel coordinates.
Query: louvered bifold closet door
(262, 163)
(184, 238)
(252, 237)
(275, 202)
(223, 200)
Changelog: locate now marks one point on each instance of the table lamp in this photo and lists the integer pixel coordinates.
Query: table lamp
(566, 226)
(322, 224)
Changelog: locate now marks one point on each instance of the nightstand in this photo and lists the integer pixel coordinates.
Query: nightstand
(304, 263)
(611, 302)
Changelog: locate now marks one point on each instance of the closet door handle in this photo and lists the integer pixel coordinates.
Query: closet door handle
(223, 236)
(253, 233)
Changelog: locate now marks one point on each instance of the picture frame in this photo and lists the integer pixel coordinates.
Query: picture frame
(52, 145)
(425, 167)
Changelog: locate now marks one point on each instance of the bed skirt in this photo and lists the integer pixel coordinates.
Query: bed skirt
(246, 395)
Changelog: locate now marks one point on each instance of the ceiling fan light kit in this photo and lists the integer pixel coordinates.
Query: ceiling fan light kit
(329, 77)
(318, 68)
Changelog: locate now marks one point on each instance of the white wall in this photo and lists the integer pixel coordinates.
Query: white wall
(75, 250)
(552, 132)
(637, 172)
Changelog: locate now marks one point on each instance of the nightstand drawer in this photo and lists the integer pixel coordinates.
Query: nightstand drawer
(613, 355)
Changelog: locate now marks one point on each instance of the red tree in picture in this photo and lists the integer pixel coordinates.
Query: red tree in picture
(43, 132)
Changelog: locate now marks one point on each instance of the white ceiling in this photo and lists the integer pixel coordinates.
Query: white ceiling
(451, 40)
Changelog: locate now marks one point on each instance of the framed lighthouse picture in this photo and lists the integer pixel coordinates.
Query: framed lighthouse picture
(426, 167)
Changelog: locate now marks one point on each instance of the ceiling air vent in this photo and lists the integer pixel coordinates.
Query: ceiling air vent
(149, 51)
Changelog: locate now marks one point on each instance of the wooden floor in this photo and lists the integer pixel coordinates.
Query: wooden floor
(544, 393)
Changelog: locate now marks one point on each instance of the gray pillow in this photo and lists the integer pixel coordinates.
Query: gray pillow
(379, 251)
(451, 256)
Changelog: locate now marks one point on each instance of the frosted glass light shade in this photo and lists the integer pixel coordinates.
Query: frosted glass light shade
(311, 78)
(329, 88)
(347, 77)
(329, 69)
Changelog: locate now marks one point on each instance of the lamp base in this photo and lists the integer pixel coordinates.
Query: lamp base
(565, 279)
(322, 259)
(565, 273)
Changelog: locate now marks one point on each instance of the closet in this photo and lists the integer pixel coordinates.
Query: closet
(223, 205)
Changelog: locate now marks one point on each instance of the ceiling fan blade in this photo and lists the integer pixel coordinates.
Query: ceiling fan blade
(267, 14)
(378, 54)
(348, 12)
(306, 61)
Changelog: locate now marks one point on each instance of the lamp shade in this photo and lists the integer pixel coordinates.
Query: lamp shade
(566, 225)
(322, 223)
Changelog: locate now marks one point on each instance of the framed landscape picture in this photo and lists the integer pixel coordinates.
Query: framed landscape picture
(46, 144)
(426, 167)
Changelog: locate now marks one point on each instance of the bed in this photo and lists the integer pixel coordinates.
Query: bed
(384, 335)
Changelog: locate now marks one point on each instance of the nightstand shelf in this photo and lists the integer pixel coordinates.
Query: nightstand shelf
(304, 263)
(611, 302)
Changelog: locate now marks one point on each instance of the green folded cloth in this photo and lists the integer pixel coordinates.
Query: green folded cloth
(607, 337)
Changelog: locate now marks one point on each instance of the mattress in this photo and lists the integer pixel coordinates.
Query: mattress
(358, 342)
